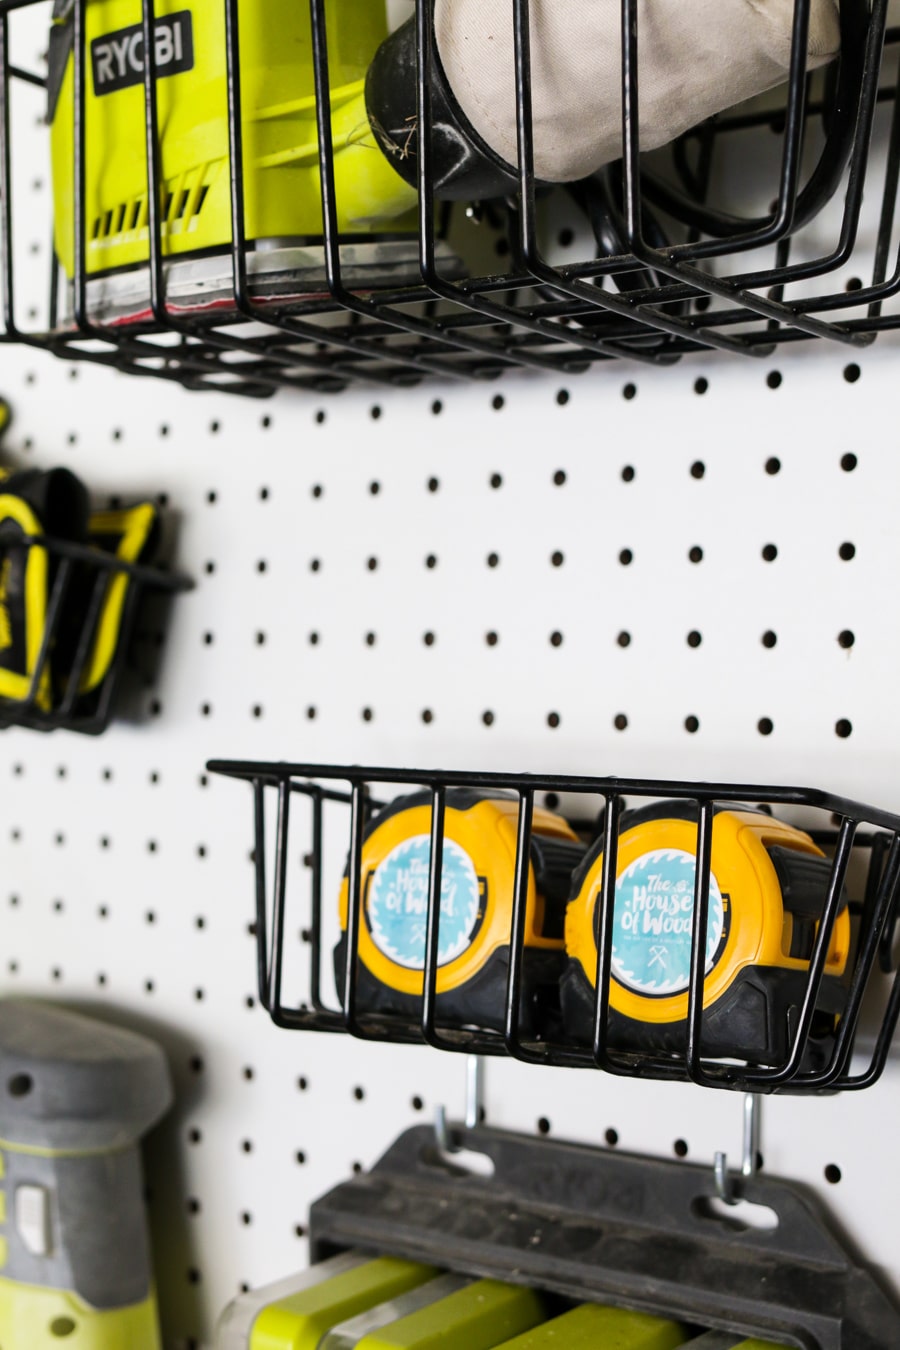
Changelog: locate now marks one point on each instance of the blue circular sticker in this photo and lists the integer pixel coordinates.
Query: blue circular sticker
(397, 903)
(653, 920)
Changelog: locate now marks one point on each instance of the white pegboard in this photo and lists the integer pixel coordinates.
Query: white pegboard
(103, 834)
(127, 884)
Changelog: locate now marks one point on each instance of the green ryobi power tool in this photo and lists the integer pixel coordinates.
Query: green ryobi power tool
(280, 162)
(76, 1095)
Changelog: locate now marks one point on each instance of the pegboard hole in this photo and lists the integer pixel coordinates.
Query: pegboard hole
(680, 1148)
(498, 402)
(774, 379)
(557, 559)
(620, 722)
(846, 552)
(246, 1218)
(263, 494)
(319, 418)
(692, 724)
(852, 373)
(492, 638)
(849, 462)
(553, 720)
(367, 714)
(429, 639)
(626, 557)
(316, 490)
(769, 553)
(694, 638)
(562, 397)
(299, 1230)
(431, 562)
(629, 392)
(375, 412)
(846, 639)
(543, 1125)
(437, 408)
(696, 554)
(359, 1094)
(300, 1157)
(773, 465)
(62, 1326)
(496, 480)
(698, 469)
(427, 716)
(20, 1085)
(195, 1136)
(559, 477)
(246, 1145)
(701, 386)
(769, 639)
(434, 484)
(833, 1174)
(417, 1103)
(487, 718)
(765, 726)
(374, 488)
(624, 639)
(843, 728)
(629, 473)
(612, 1137)
(302, 1084)
(556, 639)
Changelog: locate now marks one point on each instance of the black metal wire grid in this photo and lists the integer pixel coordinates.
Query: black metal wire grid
(71, 710)
(853, 825)
(647, 296)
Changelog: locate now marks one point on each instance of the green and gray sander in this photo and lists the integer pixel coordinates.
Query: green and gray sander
(76, 1096)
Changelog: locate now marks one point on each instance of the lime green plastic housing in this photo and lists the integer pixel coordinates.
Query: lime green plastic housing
(44, 1319)
(282, 195)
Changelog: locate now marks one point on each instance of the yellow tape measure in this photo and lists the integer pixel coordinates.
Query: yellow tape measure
(768, 887)
(479, 855)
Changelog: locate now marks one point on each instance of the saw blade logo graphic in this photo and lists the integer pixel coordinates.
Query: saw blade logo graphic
(397, 908)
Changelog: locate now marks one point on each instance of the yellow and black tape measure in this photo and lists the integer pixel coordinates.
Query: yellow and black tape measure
(476, 910)
(768, 886)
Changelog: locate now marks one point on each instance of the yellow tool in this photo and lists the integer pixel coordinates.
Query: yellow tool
(76, 1097)
(767, 892)
(476, 910)
(281, 182)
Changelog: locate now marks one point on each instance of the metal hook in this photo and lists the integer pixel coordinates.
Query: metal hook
(474, 1105)
(725, 1188)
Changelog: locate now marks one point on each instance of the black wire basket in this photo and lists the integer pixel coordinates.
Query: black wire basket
(85, 582)
(659, 238)
(859, 842)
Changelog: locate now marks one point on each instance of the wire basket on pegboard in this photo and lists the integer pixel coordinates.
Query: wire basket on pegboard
(474, 920)
(249, 198)
(75, 651)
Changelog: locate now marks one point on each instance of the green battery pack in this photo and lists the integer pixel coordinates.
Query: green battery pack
(449, 1313)
(591, 1327)
(296, 1313)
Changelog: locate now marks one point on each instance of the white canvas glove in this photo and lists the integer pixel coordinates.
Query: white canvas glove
(696, 57)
